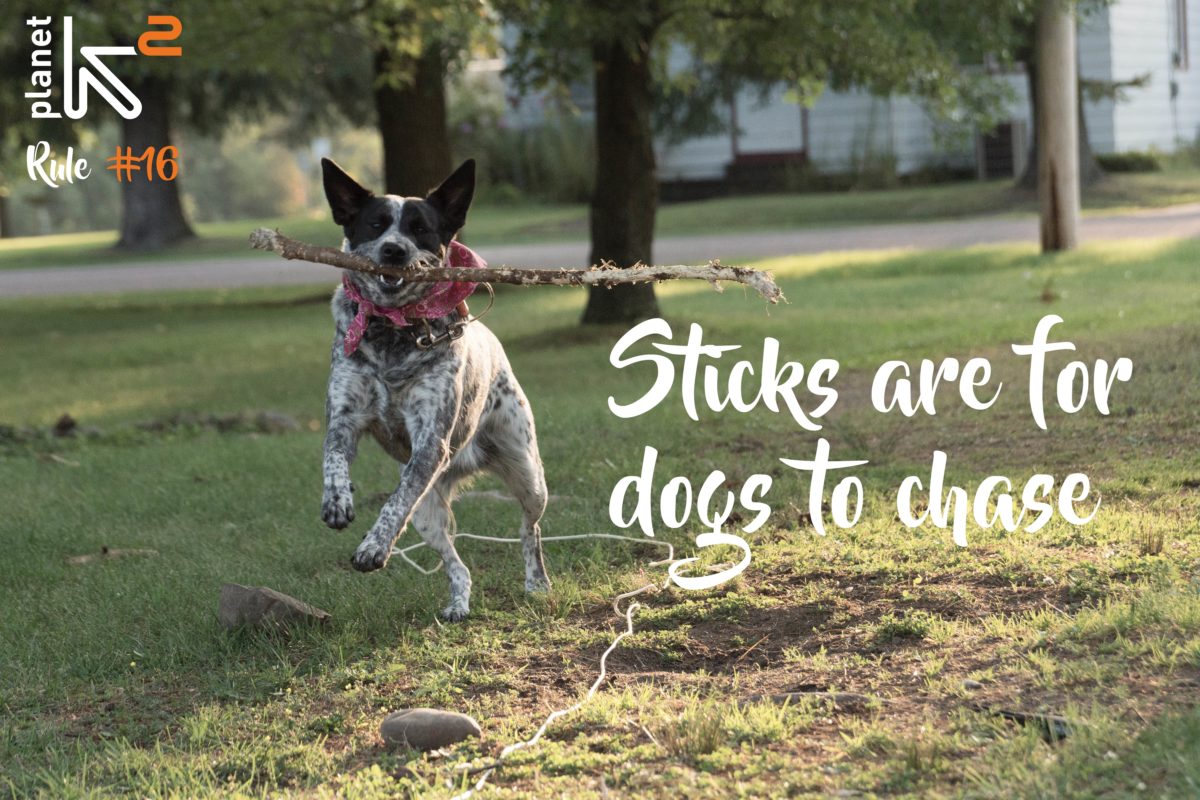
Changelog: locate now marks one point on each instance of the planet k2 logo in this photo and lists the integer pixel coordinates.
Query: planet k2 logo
(94, 74)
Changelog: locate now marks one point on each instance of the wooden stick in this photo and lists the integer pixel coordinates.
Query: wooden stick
(604, 275)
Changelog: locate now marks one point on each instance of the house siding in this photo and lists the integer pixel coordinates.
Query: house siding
(1094, 45)
(1143, 42)
(846, 128)
(920, 141)
(855, 128)
(1187, 102)
(700, 158)
(769, 124)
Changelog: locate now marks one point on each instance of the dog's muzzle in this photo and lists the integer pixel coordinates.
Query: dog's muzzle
(393, 254)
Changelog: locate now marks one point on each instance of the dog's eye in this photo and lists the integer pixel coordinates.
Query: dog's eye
(377, 224)
(419, 228)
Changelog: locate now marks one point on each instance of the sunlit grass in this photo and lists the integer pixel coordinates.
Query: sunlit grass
(118, 681)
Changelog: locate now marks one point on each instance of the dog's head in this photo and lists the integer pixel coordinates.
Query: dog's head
(397, 231)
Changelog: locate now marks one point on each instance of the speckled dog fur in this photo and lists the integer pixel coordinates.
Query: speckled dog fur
(444, 413)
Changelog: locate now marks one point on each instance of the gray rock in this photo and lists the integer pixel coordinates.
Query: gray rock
(65, 426)
(427, 728)
(256, 605)
(971, 685)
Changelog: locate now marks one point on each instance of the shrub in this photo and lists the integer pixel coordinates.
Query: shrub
(1131, 161)
(551, 160)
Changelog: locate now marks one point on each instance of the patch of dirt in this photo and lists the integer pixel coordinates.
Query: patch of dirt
(717, 650)
(720, 646)
(67, 428)
(255, 422)
(838, 653)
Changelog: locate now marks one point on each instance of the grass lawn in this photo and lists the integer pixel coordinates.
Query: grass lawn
(118, 681)
(532, 223)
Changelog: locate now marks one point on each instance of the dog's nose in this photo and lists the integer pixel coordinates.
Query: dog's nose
(390, 252)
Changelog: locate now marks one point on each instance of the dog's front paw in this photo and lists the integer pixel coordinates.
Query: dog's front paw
(371, 555)
(337, 506)
(457, 611)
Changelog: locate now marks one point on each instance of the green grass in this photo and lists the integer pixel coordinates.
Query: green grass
(117, 680)
(517, 224)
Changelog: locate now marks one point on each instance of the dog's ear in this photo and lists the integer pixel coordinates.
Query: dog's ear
(453, 198)
(346, 197)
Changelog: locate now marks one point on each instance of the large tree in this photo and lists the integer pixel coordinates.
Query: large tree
(410, 107)
(1090, 170)
(237, 58)
(916, 47)
(413, 46)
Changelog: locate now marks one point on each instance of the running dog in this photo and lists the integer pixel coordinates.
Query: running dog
(433, 387)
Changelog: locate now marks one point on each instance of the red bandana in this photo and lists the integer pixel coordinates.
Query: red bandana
(443, 298)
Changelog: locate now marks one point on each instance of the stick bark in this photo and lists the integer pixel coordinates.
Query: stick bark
(713, 272)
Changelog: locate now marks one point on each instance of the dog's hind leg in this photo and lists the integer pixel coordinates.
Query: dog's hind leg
(434, 521)
(521, 470)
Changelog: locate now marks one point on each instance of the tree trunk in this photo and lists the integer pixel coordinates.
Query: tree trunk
(625, 197)
(6, 231)
(1090, 170)
(1029, 178)
(1058, 126)
(410, 101)
(151, 213)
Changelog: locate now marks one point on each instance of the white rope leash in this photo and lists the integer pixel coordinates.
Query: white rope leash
(403, 552)
(603, 674)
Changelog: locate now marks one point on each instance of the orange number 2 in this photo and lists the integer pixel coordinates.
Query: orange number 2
(175, 27)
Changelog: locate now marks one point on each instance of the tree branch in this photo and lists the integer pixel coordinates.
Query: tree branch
(604, 275)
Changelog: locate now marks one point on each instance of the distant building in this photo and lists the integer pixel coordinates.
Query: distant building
(846, 132)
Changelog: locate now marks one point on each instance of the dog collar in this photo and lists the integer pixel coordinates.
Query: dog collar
(440, 301)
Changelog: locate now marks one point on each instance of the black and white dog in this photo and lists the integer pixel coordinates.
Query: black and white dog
(445, 412)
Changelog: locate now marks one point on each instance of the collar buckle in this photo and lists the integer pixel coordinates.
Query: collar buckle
(455, 330)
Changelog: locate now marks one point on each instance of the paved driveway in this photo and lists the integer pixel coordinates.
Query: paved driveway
(1182, 221)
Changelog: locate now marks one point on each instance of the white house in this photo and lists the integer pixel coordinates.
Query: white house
(1129, 39)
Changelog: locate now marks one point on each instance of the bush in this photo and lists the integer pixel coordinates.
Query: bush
(245, 173)
(1186, 156)
(552, 160)
(87, 205)
(1131, 161)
